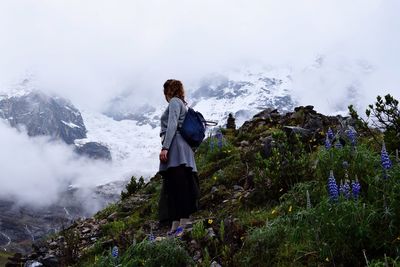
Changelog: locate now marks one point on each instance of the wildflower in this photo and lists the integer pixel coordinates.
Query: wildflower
(273, 211)
(308, 200)
(327, 259)
(352, 135)
(215, 178)
(151, 237)
(210, 221)
(338, 144)
(211, 144)
(385, 160)
(355, 188)
(328, 144)
(219, 139)
(290, 208)
(345, 189)
(332, 187)
(114, 252)
(330, 134)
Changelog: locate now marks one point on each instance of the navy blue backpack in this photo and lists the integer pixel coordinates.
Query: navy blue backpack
(193, 128)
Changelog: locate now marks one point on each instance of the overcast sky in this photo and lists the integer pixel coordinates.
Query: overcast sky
(92, 50)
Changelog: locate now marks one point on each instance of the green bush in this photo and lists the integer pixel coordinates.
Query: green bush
(132, 187)
(113, 229)
(288, 164)
(168, 252)
(262, 245)
(384, 115)
(199, 231)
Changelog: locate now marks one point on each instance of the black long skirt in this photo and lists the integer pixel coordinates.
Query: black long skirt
(179, 194)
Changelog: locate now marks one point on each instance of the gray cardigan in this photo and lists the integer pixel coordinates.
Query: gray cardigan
(171, 120)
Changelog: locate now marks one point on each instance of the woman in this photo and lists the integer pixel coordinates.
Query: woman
(177, 164)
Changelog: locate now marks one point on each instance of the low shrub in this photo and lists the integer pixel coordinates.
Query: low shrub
(168, 252)
(132, 187)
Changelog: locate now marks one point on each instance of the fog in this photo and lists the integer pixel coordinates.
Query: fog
(36, 170)
(92, 51)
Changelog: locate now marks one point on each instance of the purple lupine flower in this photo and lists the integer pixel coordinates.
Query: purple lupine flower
(345, 189)
(211, 144)
(219, 139)
(332, 187)
(330, 134)
(114, 252)
(328, 144)
(151, 237)
(352, 135)
(338, 145)
(355, 188)
(385, 160)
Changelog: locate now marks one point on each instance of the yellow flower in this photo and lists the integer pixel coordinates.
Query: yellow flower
(210, 221)
(327, 259)
(290, 208)
(215, 178)
(273, 211)
(229, 151)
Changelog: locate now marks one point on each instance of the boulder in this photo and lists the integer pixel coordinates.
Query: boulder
(94, 150)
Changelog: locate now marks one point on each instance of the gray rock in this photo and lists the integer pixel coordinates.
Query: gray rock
(304, 133)
(86, 230)
(214, 189)
(238, 188)
(112, 216)
(94, 150)
(32, 264)
(244, 143)
(50, 261)
(53, 245)
(215, 264)
(266, 151)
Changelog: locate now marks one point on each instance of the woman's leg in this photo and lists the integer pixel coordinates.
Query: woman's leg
(181, 192)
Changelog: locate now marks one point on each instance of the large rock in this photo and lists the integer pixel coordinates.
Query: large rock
(94, 150)
(40, 115)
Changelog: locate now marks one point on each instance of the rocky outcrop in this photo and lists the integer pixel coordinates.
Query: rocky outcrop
(20, 226)
(94, 150)
(41, 115)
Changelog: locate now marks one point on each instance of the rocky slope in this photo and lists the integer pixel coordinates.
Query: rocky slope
(20, 226)
(227, 190)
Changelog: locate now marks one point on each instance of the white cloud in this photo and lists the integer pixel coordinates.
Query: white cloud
(36, 171)
(91, 50)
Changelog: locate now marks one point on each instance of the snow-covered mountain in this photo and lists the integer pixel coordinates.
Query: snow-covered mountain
(42, 115)
(242, 93)
(132, 135)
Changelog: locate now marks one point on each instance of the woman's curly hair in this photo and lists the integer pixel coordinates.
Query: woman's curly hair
(174, 88)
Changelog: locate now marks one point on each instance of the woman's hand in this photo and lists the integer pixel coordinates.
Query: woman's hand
(164, 155)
